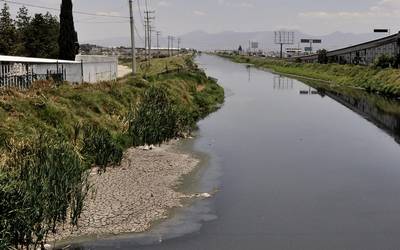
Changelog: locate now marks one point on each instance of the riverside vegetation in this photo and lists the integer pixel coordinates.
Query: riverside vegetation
(50, 136)
(377, 79)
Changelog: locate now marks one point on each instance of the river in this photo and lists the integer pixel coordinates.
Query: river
(297, 167)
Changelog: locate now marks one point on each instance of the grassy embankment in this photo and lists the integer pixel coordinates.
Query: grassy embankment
(377, 80)
(51, 135)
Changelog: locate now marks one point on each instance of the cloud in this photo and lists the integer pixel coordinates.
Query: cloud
(199, 13)
(236, 4)
(164, 4)
(111, 13)
(383, 8)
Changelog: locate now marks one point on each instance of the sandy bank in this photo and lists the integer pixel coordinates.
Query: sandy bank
(128, 198)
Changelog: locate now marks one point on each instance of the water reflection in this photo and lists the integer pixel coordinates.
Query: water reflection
(382, 111)
(282, 82)
(248, 68)
(309, 91)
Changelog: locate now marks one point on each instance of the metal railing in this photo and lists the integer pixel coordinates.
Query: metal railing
(25, 81)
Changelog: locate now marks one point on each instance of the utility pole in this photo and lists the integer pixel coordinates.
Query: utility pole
(132, 38)
(179, 46)
(148, 31)
(172, 45)
(151, 30)
(158, 33)
(145, 39)
(168, 46)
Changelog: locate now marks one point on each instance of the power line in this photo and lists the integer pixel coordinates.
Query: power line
(138, 34)
(140, 13)
(57, 9)
(103, 22)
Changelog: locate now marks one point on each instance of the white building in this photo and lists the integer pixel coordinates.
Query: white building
(20, 72)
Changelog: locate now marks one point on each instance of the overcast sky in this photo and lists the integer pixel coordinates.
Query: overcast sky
(182, 16)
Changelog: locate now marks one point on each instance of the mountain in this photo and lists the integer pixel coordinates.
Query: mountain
(231, 40)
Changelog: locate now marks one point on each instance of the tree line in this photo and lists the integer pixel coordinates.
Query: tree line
(40, 35)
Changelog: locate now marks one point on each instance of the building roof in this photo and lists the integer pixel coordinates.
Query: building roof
(19, 59)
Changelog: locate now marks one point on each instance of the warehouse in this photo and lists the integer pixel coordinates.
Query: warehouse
(363, 54)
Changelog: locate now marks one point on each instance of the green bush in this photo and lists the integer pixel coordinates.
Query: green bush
(210, 99)
(158, 119)
(322, 56)
(384, 61)
(99, 147)
(41, 183)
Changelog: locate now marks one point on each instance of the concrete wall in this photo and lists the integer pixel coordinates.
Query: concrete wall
(98, 68)
(88, 68)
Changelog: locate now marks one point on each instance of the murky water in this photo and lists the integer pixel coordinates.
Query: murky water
(298, 167)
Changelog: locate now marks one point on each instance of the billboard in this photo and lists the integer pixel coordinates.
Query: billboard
(311, 41)
(381, 30)
(284, 37)
(308, 49)
(254, 45)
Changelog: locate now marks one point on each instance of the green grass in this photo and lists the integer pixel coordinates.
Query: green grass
(159, 65)
(107, 105)
(382, 81)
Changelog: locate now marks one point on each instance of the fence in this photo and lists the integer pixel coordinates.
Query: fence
(21, 72)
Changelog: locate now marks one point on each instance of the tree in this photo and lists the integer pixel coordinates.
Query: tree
(22, 24)
(68, 39)
(240, 48)
(41, 37)
(23, 18)
(8, 34)
(322, 56)
(384, 61)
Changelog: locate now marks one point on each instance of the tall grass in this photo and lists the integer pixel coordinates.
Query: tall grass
(157, 119)
(42, 183)
(99, 148)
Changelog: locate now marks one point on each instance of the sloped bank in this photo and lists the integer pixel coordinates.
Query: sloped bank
(372, 79)
(91, 125)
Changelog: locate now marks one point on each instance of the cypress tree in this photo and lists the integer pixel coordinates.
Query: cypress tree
(68, 39)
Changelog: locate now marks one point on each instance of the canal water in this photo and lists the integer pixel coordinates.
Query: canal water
(298, 166)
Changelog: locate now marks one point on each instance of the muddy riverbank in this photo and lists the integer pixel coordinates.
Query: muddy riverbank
(129, 198)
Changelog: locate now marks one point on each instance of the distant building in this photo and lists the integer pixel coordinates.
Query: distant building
(290, 52)
(364, 53)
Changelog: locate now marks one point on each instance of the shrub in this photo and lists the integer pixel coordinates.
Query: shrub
(99, 147)
(153, 121)
(158, 119)
(322, 56)
(384, 61)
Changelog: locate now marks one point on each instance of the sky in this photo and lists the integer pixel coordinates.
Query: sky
(176, 17)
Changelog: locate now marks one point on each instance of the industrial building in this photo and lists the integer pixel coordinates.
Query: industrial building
(362, 54)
